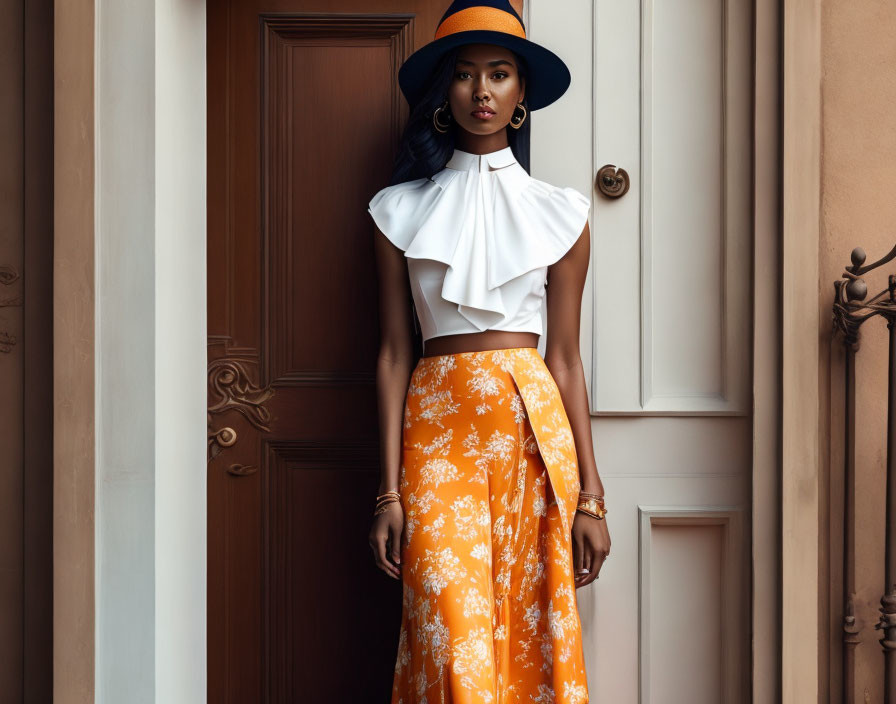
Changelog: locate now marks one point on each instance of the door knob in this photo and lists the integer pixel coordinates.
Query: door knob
(612, 181)
(226, 437)
(219, 439)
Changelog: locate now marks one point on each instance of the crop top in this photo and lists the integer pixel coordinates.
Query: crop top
(478, 237)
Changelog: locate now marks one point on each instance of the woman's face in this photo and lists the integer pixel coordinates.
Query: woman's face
(485, 88)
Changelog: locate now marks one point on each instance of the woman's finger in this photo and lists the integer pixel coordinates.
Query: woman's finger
(578, 558)
(381, 560)
(600, 555)
(593, 561)
(395, 544)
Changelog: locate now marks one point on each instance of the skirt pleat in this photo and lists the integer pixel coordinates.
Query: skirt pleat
(488, 484)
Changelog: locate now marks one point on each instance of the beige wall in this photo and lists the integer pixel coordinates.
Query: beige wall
(858, 178)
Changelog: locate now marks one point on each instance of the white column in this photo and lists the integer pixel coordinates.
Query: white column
(180, 344)
(150, 341)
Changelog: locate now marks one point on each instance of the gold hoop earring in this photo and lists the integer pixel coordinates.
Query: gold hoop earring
(515, 120)
(441, 126)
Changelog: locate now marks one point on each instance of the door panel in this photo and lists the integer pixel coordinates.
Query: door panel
(304, 116)
(671, 374)
(672, 287)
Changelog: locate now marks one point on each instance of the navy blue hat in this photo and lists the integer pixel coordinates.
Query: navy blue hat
(486, 22)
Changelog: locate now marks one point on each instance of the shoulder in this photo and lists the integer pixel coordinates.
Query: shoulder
(562, 200)
(558, 214)
(538, 224)
(399, 194)
(396, 209)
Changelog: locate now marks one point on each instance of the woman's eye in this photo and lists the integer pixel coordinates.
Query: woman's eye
(464, 74)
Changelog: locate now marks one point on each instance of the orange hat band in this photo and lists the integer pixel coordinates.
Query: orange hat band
(488, 18)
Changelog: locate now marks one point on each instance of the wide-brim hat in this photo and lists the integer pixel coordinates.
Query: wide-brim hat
(486, 22)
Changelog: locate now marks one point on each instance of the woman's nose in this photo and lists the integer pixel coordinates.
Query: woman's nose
(480, 92)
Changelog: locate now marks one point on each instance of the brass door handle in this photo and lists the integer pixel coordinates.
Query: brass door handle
(241, 470)
(227, 437)
(612, 181)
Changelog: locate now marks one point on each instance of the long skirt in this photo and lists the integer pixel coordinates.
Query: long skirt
(488, 484)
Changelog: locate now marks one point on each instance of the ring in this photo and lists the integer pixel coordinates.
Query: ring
(584, 571)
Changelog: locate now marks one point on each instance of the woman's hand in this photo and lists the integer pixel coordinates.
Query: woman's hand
(385, 538)
(591, 545)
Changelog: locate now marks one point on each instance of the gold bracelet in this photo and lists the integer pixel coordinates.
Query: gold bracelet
(381, 509)
(593, 507)
(384, 500)
(584, 510)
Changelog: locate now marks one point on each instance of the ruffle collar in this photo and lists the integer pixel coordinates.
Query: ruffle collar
(487, 219)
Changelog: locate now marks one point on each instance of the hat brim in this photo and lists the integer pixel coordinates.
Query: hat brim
(548, 75)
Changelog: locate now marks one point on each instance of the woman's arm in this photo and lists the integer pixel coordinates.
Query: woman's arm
(566, 281)
(393, 373)
(395, 358)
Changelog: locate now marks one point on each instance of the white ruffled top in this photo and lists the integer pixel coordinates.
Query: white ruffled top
(478, 237)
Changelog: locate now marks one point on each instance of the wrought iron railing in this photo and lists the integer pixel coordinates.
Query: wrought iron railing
(851, 310)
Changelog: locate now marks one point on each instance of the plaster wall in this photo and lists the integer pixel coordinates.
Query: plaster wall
(858, 177)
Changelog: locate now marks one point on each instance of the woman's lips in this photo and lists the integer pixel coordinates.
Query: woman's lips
(483, 114)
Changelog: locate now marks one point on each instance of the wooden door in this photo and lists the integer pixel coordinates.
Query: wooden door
(304, 114)
(671, 373)
(26, 352)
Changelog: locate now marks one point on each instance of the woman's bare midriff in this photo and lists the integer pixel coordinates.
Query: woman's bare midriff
(478, 341)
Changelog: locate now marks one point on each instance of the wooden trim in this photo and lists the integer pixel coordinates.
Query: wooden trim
(766, 503)
(37, 343)
(73, 357)
(800, 491)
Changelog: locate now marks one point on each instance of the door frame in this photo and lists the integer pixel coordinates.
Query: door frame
(802, 499)
(765, 516)
(784, 523)
(130, 395)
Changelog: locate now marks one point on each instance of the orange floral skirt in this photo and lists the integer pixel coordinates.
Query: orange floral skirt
(489, 483)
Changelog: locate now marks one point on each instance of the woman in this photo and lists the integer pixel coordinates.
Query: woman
(490, 508)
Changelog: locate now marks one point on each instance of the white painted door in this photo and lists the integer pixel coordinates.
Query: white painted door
(662, 89)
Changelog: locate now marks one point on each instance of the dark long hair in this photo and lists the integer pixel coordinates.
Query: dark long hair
(423, 151)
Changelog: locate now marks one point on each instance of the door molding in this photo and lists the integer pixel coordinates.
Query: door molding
(766, 494)
(74, 454)
(729, 518)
